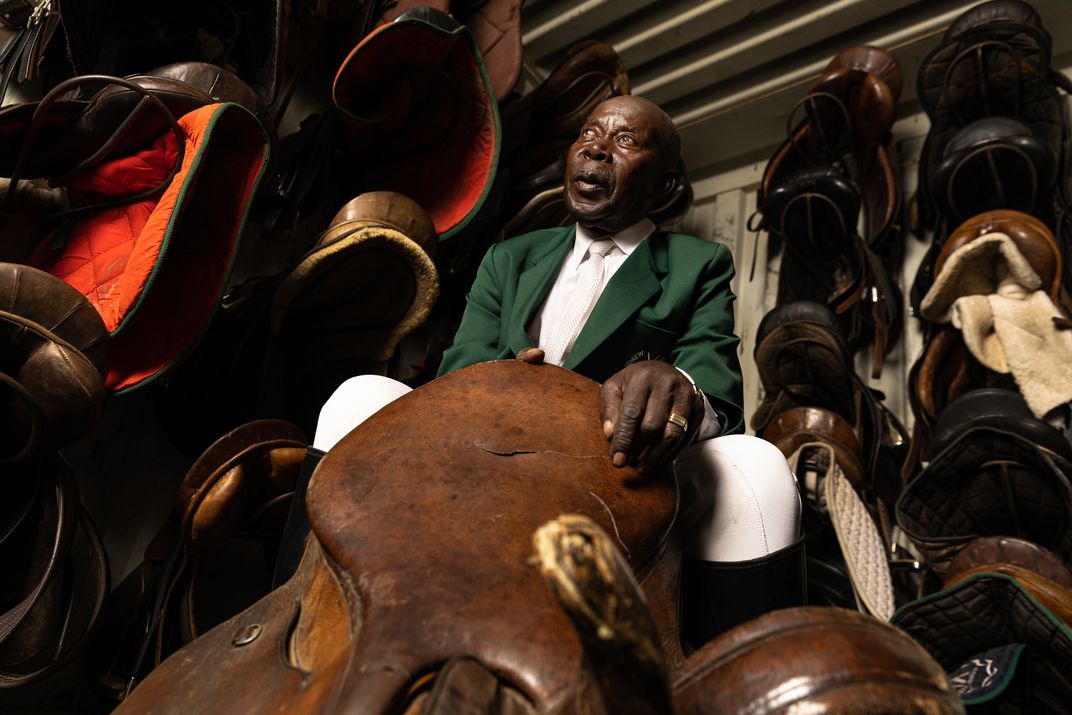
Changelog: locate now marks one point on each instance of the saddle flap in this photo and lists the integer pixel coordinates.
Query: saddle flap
(982, 612)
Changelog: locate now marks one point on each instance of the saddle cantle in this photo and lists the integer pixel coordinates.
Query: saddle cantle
(826, 660)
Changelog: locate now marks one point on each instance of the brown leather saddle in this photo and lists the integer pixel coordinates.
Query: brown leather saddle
(212, 559)
(384, 597)
(803, 361)
(419, 590)
(840, 160)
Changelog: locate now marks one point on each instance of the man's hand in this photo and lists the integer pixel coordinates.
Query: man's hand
(635, 406)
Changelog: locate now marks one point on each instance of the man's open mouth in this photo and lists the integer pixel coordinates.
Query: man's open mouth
(591, 181)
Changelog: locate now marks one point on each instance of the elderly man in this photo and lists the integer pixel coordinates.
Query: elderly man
(649, 315)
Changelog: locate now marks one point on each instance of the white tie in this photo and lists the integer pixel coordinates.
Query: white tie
(589, 286)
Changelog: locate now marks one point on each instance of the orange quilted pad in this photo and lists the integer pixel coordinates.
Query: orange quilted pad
(155, 268)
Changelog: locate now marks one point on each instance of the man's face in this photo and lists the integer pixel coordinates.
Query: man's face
(615, 169)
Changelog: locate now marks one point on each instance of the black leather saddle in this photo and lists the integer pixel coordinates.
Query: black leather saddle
(994, 163)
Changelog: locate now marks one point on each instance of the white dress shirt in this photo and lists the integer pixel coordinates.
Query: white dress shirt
(625, 242)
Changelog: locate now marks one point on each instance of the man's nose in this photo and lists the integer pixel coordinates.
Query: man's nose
(596, 150)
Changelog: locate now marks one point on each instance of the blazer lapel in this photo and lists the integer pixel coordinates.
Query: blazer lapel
(631, 286)
(533, 285)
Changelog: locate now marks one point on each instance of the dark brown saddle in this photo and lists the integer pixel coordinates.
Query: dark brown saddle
(159, 173)
(212, 559)
(848, 115)
(803, 361)
(441, 571)
(993, 469)
(538, 127)
(840, 160)
(997, 125)
(994, 163)
(54, 350)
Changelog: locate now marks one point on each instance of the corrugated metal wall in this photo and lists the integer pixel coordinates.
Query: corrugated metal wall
(729, 73)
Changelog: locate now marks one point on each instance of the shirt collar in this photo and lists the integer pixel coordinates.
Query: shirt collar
(626, 240)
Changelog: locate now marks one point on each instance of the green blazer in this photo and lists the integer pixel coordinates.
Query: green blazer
(669, 300)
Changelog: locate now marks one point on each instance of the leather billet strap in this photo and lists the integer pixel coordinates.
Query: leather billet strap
(30, 405)
(84, 566)
(292, 545)
(58, 91)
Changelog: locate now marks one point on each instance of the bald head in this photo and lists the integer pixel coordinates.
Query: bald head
(623, 160)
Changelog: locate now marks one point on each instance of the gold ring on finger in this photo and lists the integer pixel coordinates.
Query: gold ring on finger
(678, 420)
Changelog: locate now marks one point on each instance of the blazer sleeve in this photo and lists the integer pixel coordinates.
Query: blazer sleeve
(707, 350)
(477, 339)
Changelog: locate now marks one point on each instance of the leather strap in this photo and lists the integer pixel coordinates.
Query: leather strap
(35, 420)
(71, 516)
(38, 118)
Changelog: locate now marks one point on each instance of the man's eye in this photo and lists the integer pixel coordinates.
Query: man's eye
(588, 133)
(627, 139)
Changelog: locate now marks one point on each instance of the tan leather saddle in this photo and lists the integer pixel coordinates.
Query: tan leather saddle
(418, 587)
